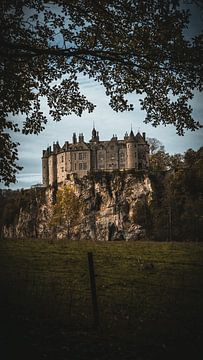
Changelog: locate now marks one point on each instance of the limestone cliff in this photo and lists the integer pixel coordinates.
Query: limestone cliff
(115, 209)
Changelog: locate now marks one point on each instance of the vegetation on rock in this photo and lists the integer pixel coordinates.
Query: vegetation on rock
(67, 209)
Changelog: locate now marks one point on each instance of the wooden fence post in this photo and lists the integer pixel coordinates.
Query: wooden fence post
(93, 289)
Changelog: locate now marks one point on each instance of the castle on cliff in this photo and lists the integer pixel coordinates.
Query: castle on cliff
(82, 157)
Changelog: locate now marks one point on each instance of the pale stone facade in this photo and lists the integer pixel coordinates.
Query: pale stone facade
(82, 157)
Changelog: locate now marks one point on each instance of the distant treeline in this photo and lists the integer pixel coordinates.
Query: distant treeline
(176, 212)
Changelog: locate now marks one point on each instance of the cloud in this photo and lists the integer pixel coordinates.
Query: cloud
(25, 181)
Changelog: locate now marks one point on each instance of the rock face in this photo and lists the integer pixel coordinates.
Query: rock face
(115, 209)
(23, 213)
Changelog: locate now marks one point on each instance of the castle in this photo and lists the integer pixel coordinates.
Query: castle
(82, 157)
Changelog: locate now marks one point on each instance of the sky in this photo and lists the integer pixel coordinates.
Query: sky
(107, 122)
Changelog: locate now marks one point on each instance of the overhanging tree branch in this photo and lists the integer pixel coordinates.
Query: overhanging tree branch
(125, 45)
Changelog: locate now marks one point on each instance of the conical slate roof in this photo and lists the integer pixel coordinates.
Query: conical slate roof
(139, 139)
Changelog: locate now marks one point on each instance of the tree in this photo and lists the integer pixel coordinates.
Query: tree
(177, 205)
(160, 161)
(128, 46)
(154, 145)
(190, 157)
(67, 209)
(176, 161)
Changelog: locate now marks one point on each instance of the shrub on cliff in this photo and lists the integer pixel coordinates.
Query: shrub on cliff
(67, 209)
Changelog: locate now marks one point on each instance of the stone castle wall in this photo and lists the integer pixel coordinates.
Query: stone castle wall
(83, 158)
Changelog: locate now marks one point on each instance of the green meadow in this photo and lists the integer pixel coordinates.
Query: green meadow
(150, 300)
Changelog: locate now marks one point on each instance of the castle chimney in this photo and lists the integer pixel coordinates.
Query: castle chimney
(81, 137)
(66, 145)
(55, 147)
(74, 138)
(144, 136)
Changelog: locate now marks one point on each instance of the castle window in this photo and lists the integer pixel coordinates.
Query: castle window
(62, 158)
(75, 156)
(84, 155)
(75, 166)
(112, 147)
(80, 156)
(80, 166)
(84, 166)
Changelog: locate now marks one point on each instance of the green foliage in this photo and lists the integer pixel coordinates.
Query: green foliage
(177, 206)
(176, 161)
(159, 161)
(8, 153)
(129, 47)
(67, 209)
(154, 145)
(11, 202)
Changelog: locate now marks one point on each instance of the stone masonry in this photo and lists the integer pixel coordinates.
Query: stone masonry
(83, 158)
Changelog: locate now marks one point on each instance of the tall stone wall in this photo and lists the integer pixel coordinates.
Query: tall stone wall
(130, 153)
(82, 158)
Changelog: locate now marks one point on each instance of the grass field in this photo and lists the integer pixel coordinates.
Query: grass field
(150, 298)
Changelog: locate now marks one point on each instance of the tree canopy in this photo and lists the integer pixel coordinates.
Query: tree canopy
(159, 160)
(177, 205)
(127, 46)
(154, 145)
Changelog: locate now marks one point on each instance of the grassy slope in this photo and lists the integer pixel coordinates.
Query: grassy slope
(145, 312)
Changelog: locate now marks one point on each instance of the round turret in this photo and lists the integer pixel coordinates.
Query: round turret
(130, 151)
(45, 170)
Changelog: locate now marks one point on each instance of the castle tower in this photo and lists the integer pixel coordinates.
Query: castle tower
(52, 163)
(131, 151)
(94, 141)
(95, 135)
(52, 169)
(45, 168)
(81, 138)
